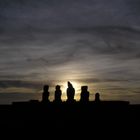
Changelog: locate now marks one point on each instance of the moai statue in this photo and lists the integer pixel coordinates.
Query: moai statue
(97, 97)
(58, 93)
(45, 94)
(84, 94)
(70, 93)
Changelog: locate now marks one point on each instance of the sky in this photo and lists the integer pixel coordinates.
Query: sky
(87, 42)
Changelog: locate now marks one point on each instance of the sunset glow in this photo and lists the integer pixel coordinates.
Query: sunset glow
(77, 87)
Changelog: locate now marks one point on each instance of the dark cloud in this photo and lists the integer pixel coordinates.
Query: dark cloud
(53, 14)
(134, 5)
(17, 83)
(95, 80)
(91, 45)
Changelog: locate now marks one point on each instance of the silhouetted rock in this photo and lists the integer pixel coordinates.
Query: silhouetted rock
(97, 97)
(45, 95)
(58, 93)
(65, 114)
(84, 94)
(70, 93)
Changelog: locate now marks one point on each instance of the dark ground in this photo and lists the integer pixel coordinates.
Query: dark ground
(71, 119)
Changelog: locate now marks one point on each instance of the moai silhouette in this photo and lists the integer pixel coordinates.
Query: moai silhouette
(58, 93)
(84, 94)
(45, 94)
(70, 93)
(97, 97)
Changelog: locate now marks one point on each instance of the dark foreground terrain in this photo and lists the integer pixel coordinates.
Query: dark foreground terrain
(70, 118)
(22, 114)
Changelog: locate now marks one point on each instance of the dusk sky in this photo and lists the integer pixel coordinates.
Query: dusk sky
(88, 42)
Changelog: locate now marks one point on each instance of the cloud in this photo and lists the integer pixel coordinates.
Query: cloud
(89, 41)
(53, 14)
(18, 83)
(134, 5)
(103, 49)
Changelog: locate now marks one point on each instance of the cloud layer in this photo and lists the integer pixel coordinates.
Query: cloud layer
(65, 13)
(93, 42)
(106, 58)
